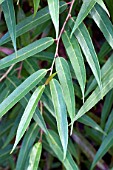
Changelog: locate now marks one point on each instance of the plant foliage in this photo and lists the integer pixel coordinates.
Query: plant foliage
(56, 84)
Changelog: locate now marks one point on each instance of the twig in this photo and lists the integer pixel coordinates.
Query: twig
(7, 72)
(61, 32)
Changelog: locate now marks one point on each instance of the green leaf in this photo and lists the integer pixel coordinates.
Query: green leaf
(29, 22)
(102, 4)
(36, 5)
(86, 44)
(9, 13)
(109, 123)
(105, 146)
(104, 71)
(95, 97)
(106, 108)
(27, 143)
(37, 116)
(55, 145)
(84, 11)
(21, 91)
(54, 12)
(65, 78)
(103, 22)
(35, 155)
(60, 112)
(28, 114)
(26, 52)
(86, 120)
(76, 58)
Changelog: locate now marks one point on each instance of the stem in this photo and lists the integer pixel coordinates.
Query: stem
(61, 32)
(7, 72)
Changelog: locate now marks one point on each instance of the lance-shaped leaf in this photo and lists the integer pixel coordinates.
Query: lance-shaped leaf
(86, 120)
(56, 146)
(28, 114)
(86, 44)
(102, 4)
(60, 112)
(105, 146)
(95, 97)
(21, 91)
(29, 22)
(54, 12)
(76, 58)
(84, 11)
(27, 143)
(9, 14)
(36, 5)
(104, 71)
(103, 22)
(109, 123)
(65, 78)
(26, 52)
(34, 157)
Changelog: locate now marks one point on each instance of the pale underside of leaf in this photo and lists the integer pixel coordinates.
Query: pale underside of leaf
(54, 12)
(28, 114)
(60, 112)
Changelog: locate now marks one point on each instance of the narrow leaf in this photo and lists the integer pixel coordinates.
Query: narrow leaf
(56, 146)
(102, 4)
(29, 22)
(84, 11)
(28, 114)
(35, 156)
(105, 146)
(27, 143)
(60, 112)
(9, 14)
(86, 44)
(21, 91)
(109, 123)
(103, 22)
(65, 78)
(54, 12)
(36, 5)
(26, 52)
(95, 97)
(76, 58)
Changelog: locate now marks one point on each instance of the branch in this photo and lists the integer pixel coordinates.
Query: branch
(61, 32)
(6, 73)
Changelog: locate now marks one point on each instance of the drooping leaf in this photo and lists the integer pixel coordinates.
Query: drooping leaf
(104, 71)
(109, 123)
(54, 12)
(65, 78)
(76, 58)
(37, 115)
(86, 44)
(103, 22)
(29, 22)
(60, 113)
(35, 156)
(36, 5)
(104, 147)
(84, 11)
(28, 114)
(27, 143)
(95, 97)
(86, 120)
(106, 108)
(21, 91)
(56, 146)
(102, 4)
(26, 52)
(9, 14)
